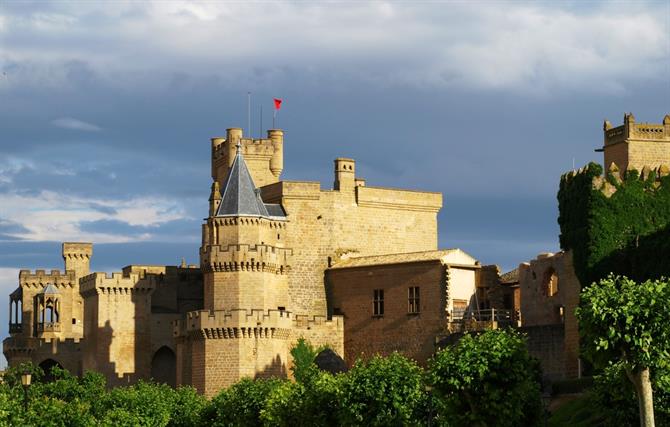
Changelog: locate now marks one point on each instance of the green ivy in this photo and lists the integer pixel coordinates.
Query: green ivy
(627, 233)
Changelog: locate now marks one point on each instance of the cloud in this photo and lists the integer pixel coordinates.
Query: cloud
(534, 47)
(74, 124)
(51, 216)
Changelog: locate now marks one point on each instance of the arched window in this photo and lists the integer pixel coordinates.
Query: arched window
(550, 283)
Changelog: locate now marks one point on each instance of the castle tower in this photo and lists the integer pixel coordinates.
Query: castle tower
(77, 257)
(244, 329)
(264, 157)
(635, 145)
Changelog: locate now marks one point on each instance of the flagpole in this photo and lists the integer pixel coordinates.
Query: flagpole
(260, 127)
(249, 113)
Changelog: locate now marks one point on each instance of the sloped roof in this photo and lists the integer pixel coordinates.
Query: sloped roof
(49, 289)
(240, 195)
(446, 256)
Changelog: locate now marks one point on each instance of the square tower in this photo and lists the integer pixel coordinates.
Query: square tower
(635, 145)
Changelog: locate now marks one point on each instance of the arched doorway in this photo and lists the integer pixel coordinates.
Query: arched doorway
(164, 366)
(46, 366)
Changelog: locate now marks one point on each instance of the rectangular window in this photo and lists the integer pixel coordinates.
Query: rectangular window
(378, 302)
(413, 300)
(460, 306)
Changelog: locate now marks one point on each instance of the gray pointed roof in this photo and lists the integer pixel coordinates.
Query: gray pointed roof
(240, 196)
(49, 289)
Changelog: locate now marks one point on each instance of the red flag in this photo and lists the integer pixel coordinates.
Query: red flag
(277, 103)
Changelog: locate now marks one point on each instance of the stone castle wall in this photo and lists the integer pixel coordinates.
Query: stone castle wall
(325, 225)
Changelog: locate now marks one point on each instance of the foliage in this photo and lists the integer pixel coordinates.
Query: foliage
(241, 404)
(313, 403)
(384, 391)
(67, 400)
(621, 320)
(579, 413)
(627, 233)
(628, 323)
(303, 354)
(488, 380)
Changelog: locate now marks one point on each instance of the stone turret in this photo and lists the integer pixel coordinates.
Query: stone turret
(636, 145)
(77, 257)
(264, 157)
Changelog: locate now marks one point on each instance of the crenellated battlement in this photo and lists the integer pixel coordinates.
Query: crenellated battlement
(254, 221)
(235, 324)
(308, 322)
(637, 131)
(41, 278)
(244, 257)
(118, 282)
(608, 182)
(264, 156)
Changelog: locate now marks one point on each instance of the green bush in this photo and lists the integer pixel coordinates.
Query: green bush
(312, 403)
(241, 403)
(487, 380)
(384, 391)
(626, 233)
(614, 397)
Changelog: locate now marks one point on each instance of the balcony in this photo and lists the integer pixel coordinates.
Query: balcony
(489, 318)
(48, 327)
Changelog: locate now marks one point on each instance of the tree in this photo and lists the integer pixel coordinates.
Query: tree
(384, 391)
(487, 380)
(241, 403)
(628, 322)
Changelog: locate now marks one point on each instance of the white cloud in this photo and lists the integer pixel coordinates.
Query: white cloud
(506, 45)
(50, 216)
(11, 166)
(74, 124)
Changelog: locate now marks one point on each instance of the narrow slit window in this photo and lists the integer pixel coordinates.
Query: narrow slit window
(378, 302)
(413, 300)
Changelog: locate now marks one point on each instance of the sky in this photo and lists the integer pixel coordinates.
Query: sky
(106, 110)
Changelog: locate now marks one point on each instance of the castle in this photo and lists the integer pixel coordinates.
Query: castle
(355, 267)
(271, 251)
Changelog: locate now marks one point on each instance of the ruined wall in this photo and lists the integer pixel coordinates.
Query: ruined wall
(547, 344)
(540, 309)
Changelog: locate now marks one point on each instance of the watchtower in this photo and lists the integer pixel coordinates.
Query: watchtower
(635, 145)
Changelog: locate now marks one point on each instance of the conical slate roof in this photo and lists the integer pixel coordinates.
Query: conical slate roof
(49, 289)
(240, 195)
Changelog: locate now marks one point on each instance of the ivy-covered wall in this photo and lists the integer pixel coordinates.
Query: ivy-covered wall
(616, 225)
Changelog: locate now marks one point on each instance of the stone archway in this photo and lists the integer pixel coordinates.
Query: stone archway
(164, 366)
(46, 366)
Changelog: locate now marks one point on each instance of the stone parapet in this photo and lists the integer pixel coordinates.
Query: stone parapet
(101, 283)
(235, 324)
(407, 200)
(244, 257)
(40, 278)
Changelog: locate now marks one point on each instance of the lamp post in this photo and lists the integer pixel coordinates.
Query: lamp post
(26, 377)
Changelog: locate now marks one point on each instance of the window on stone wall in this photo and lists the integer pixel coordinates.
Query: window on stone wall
(378, 302)
(413, 300)
(550, 282)
(460, 306)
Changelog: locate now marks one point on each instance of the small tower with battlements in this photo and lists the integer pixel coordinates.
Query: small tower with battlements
(636, 145)
(77, 257)
(264, 157)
